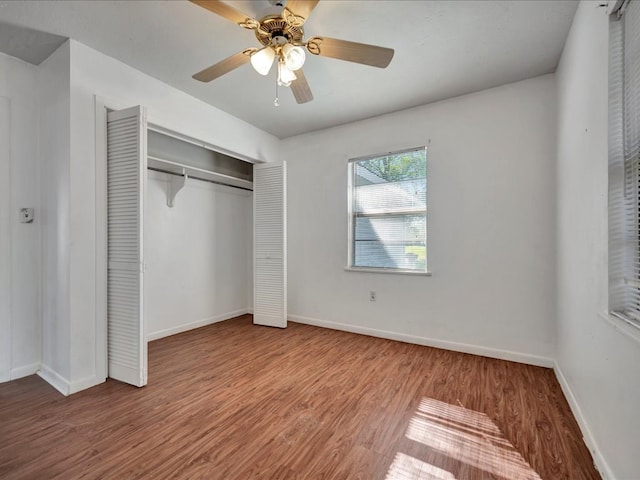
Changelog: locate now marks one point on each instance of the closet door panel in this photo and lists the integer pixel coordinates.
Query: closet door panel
(126, 176)
(270, 245)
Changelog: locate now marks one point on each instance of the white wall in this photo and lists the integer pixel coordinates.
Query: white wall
(25, 238)
(54, 137)
(598, 365)
(196, 255)
(491, 225)
(21, 330)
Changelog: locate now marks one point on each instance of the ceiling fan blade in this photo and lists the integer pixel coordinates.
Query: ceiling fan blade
(225, 11)
(225, 66)
(296, 12)
(350, 51)
(300, 88)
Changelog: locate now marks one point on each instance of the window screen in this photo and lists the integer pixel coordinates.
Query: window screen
(388, 211)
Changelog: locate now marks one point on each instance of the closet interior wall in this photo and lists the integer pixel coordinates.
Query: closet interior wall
(198, 253)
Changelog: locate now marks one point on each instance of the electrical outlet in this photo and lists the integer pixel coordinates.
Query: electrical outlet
(372, 296)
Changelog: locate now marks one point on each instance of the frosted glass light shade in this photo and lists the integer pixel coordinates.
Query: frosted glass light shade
(294, 56)
(262, 60)
(285, 75)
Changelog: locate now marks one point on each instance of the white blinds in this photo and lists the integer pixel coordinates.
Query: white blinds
(624, 163)
(388, 211)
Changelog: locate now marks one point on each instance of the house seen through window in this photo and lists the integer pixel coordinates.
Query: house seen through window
(388, 211)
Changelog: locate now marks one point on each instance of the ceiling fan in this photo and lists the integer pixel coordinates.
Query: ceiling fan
(281, 40)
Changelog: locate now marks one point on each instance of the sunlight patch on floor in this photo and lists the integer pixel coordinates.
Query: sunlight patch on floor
(467, 437)
(406, 467)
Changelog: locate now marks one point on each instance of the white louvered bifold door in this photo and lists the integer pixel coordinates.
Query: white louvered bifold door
(126, 174)
(270, 244)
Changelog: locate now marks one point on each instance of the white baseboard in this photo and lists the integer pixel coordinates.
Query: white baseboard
(600, 463)
(197, 324)
(84, 383)
(54, 379)
(24, 371)
(19, 372)
(63, 385)
(430, 342)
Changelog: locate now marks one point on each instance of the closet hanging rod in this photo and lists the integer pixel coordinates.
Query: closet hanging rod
(195, 177)
(176, 168)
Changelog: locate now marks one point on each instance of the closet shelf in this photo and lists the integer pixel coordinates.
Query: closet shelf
(182, 169)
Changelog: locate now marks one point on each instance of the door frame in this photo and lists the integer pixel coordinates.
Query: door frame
(6, 214)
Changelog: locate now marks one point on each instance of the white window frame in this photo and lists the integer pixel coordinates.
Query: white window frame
(351, 223)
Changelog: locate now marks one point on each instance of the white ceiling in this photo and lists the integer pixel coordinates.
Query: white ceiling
(442, 49)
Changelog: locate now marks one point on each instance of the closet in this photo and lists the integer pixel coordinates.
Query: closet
(187, 239)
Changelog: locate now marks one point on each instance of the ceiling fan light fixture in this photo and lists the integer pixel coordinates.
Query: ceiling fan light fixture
(262, 60)
(294, 56)
(285, 75)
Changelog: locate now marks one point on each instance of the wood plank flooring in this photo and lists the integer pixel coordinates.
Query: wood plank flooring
(237, 401)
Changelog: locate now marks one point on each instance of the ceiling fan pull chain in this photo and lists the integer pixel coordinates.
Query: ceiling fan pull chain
(276, 102)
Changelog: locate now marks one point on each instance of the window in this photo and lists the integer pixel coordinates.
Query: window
(388, 212)
(624, 163)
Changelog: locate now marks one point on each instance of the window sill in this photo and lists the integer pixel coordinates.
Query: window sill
(625, 327)
(383, 270)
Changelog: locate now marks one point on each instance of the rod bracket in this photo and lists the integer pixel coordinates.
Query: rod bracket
(176, 183)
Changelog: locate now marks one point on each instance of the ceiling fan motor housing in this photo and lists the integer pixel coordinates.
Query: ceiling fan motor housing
(274, 26)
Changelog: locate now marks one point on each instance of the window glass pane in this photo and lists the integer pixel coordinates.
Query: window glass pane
(388, 211)
(403, 196)
(392, 168)
(391, 242)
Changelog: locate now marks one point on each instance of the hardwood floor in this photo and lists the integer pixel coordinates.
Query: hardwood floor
(237, 401)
